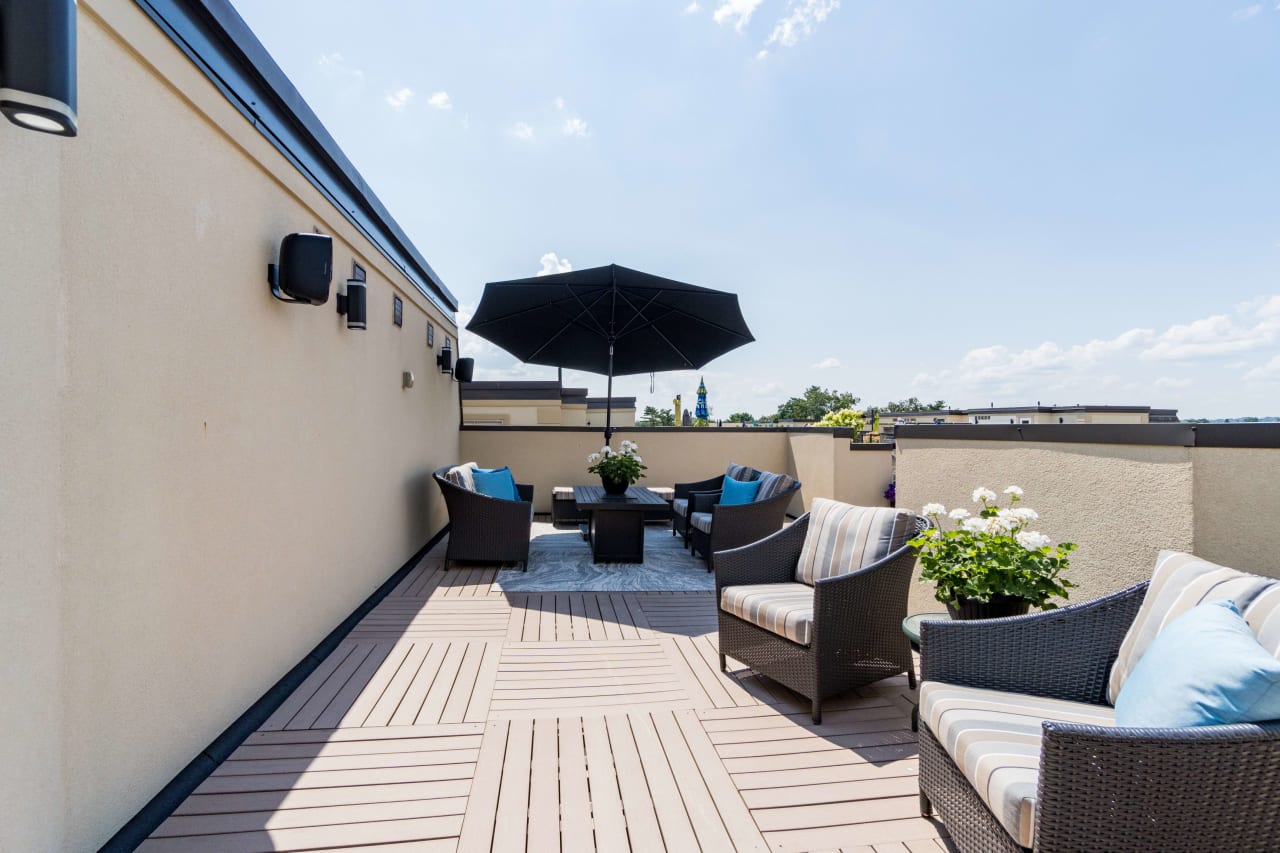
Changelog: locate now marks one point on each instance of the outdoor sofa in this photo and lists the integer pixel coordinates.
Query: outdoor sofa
(1019, 748)
(818, 606)
(714, 526)
(484, 528)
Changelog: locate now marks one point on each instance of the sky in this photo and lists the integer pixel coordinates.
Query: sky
(981, 202)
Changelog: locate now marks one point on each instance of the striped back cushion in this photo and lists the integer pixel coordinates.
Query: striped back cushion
(745, 473)
(1181, 581)
(842, 538)
(460, 475)
(772, 485)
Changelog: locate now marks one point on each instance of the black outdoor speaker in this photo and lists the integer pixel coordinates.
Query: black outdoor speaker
(305, 269)
(464, 369)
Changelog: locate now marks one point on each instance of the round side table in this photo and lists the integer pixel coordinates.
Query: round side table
(911, 627)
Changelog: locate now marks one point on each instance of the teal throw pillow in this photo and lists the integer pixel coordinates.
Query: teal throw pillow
(738, 492)
(496, 483)
(1204, 668)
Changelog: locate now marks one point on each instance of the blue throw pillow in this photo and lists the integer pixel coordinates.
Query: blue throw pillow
(496, 483)
(1204, 668)
(738, 492)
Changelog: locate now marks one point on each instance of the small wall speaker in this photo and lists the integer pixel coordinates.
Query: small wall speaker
(464, 369)
(305, 269)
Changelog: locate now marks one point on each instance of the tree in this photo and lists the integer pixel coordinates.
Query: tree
(741, 418)
(843, 418)
(913, 404)
(814, 403)
(657, 417)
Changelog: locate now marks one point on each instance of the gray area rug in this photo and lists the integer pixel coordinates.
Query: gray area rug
(560, 561)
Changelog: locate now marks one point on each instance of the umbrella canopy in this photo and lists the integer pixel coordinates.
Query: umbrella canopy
(611, 320)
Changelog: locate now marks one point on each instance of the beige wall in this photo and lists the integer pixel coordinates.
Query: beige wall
(822, 462)
(1119, 503)
(1237, 499)
(200, 482)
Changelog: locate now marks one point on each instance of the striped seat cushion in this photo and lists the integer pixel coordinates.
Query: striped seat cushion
(843, 538)
(680, 507)
(785, 609)
(664, 492)
(701, 521)
(741, 472)
(994, 738)
(772, 485)
(1181, 581)
(460, 475)
(562, 493)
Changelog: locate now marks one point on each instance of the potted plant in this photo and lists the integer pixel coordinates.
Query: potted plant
(617, 470)
(991, 564)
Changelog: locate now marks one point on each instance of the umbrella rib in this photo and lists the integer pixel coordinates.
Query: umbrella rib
(571, 321)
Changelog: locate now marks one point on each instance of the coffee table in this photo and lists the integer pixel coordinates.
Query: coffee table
(616, 528)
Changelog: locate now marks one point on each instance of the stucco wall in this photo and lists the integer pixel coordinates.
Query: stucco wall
(203, 481)
(862, 475)
(1119, 503)
(1237, 499)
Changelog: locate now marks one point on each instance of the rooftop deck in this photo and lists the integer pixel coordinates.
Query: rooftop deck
(457, 717)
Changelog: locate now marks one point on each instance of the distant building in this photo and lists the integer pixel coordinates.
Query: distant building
(1037, 414)
(541, 403)
(701, 412)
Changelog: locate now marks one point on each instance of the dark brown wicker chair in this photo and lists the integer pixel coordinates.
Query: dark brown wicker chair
(1100, 788)
(735, 525)
(856, 636)
(485, 529)
(682, 499)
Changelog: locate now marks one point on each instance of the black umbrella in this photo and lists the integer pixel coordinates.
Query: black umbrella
(610, 320)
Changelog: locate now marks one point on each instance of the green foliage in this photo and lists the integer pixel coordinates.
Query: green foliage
(914, 404)
(843, 418)
(700, 422)
(657, 417)
(814, 404)
(993, 554)
(741, 418)
(623, 464)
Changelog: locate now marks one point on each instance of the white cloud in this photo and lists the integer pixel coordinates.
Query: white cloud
(762, 53)
(1247, 12)
(560, 103)
(440, 100)
(400, 98)
(1256, 324)
(1268, 371)
(692, 8)
(553, 263)
(574, 127)
(521, 131)
(736, 12)
(826, 364)
(334, 65)
(802, 18)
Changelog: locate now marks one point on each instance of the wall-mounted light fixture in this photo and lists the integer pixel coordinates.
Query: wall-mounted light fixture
(445, 359)
(352, 304)
(38, 64)
(431, 334)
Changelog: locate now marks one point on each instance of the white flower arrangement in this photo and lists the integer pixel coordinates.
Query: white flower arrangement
(624, 464)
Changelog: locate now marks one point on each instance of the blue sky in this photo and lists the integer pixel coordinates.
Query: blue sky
(981, 202)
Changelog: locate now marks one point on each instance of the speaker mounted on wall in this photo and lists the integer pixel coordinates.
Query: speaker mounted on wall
(304, 271)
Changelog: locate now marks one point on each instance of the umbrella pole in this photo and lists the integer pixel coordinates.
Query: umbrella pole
(608, 401)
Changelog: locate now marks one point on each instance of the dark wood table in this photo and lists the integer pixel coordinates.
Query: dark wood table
(616, 528)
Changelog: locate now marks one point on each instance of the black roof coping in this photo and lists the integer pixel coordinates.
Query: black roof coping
(218, 41)
(618, 402)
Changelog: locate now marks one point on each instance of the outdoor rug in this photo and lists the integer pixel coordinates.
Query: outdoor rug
(560, 561)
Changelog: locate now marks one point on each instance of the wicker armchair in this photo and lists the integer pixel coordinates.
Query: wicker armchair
(856, 634)
(486, 529)
(682, 499)
(1100, 788)
(735, 525)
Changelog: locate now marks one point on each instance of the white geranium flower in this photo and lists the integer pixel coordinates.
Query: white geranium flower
(975, 525)
(606, 451)
(638, 459)
(999, 525)
(628, 444)
(933, 510)
(593, 458)
(1024, 514)
(1032, 540)
(1014, 491)
(958, 514)
(982, 494)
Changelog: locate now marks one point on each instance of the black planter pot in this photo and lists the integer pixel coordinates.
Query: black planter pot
(997, 607)
(614, 487)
